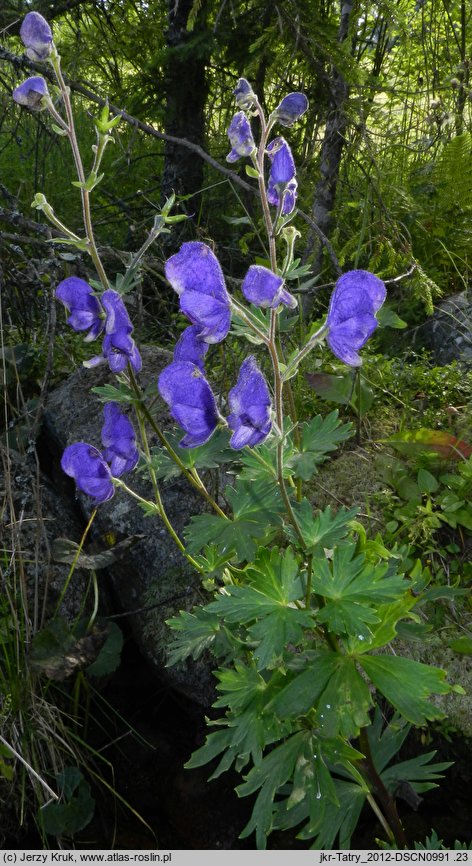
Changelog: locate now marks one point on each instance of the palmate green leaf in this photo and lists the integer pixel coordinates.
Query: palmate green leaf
(276, 574)
(246, 693)
(390, 616)
(353, 588)
(418, 772)
(212, 454)
(239, 686)
(268, 602)
(302, 690)
(196, 632)
(407, 684)
(273, 771)
(343, 707)
(348, 576)
(328, 822)
(275, 632)
(256, 514)
(319, 437)
(321, 528)
(121, 394)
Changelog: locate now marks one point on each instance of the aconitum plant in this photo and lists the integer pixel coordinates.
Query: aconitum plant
(301, 605)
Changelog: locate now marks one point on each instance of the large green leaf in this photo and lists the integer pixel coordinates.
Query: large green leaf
(303, 689)
(196, 632)
(256, 514)
(319, 437)
(320, 528)
(352, 589)
(67, 818)
(343, 706)
(407, 684)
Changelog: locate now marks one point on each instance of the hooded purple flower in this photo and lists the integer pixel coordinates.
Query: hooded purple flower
(282, 178)
(265, 289)
(37, 36)
(240, 137)
(195, 274)
(191, 347)
(291, 108)
(244, 95)
(31, 93)
(86, 466)
(190, 399)
(250, 404)
(351, 318)
(119, 348)
(119, 441)
(84, 308)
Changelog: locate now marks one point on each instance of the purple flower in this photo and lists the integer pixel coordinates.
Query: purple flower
(250, 404)
(80, 301)
(240, 137)
(282, 183)
(291, 108)
(86, 466)
(190, 399)
(191, 347)
(195, 274)
(118, 348)
(265, 289)
(244, 95)
(351, 318)
(31, 93)
(119, 441)
(37, 36)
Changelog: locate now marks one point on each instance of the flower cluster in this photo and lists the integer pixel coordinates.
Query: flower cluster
(108, 315)
(93, 470)
(196, 276)
(36, 35)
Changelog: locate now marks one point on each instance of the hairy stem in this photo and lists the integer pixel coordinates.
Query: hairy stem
(84, 194)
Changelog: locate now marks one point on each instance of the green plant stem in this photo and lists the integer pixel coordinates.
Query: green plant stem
(292, 366)
(272, 341)
(157, 494)
(74, 562)
(84, 194)
(160, 510)
(380, 791)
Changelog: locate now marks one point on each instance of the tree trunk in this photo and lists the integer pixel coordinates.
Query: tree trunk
(331, 152)
(186, 93)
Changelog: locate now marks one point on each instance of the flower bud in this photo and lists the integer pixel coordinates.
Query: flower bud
(240, 136)
(244, 95)
(37, 36)
(31, 93)
(291, 108)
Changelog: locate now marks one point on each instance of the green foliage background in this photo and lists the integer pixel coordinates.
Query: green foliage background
(404, 181)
